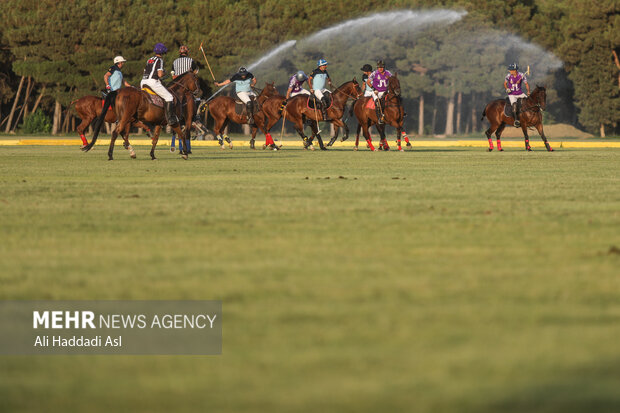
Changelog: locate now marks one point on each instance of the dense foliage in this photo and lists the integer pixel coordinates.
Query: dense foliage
(63, 49)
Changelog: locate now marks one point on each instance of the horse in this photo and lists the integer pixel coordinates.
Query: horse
(393, 113)
(530, 115)
(222, 109)
(89, 108)
(270, 113)
(298, 112)
(133, 104)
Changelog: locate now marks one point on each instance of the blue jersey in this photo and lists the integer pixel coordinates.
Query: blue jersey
(116, 78)
(319, 79)
(242, 85)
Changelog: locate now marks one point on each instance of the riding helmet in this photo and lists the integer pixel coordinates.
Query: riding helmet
(513, 66)
(243, 71)
(183, 50)
(321, 62)
(366, 68)
(380, 63)
(160, 49)
(119, 59)
(301, 76)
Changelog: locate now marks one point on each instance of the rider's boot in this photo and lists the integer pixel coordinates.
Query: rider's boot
(171, 117)
(324, 106)
(379, 112)
(249, 110)
(515, 113)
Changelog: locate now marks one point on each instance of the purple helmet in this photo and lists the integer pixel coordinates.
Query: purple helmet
(160, 48)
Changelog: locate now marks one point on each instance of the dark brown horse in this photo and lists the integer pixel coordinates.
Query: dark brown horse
(393, 113)
(89, 108)
(222, 109)
(132, 105)
(298, 112)
(530, 115)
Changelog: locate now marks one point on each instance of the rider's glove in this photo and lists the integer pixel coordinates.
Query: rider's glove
(108, 87)
(507, 90)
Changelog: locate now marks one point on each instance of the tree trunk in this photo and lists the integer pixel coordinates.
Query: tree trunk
(474, 117)
(65, 123)
(57, 116)
(602, 130)
(19, 91)
(36, 103)
(24, 108)
(421, 116)
(434, 118)
(450, 116)
(459, 101)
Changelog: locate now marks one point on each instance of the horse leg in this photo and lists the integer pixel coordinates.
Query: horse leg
(339, 124)
(126, 144)
(539, 128)
(384, 143)
(357, 136)
(399, 134)
(498, 136)
(112, 141)
(226, 138)
(367, 136)
(489, 133)
(154, 140)
(182, 141)
(171, 143)
(527, 138)
(81, 128)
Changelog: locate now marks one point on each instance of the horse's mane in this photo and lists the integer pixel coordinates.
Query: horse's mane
(179, 78)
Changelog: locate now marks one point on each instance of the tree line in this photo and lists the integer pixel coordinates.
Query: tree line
(52, 52)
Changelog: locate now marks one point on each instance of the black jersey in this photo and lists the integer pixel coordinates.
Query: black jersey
(154, 64)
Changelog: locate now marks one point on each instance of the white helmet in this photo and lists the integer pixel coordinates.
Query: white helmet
(119, 59)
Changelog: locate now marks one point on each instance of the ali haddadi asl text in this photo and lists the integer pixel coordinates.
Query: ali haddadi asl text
(78, 341)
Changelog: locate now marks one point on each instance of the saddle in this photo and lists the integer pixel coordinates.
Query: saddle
(240, 108)
(508, 107)
(154, 97)
(313, 102)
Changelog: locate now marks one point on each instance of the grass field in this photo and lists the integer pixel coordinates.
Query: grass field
(437, 280)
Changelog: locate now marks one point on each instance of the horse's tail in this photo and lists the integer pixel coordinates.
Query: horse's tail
(98, 122)
(484, 113)
(203, 109)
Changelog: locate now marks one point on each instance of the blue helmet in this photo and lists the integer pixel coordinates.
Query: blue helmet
(513, 66)
(321, 62)
(160, 49)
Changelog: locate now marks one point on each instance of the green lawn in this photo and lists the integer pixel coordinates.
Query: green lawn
(436, 280)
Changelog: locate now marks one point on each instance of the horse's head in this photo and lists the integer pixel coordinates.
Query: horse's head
(269, 90)
(189, 82)
(394, 85)
(539, 95)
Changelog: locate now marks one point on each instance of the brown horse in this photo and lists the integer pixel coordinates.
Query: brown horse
(530, 115)
(298, 112)
(270, 113)
(89, 108)
(222, 109)
(393, 113)
(132, 104)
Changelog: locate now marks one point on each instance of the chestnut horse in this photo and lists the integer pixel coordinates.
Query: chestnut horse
(132, 104)
(530, 115)
(393, 113)
(298, 112)
(222, 109)
(89, 108)
(271, 112)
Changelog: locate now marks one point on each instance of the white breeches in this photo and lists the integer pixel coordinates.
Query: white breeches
(301, 92)
(513, 98)
(378, 95)
(245, 96)
(319, 93)
(158, 88)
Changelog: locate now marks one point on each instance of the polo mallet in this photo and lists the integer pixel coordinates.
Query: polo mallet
(316, 115)
(282, 131)
(380, 108)
(208, 65)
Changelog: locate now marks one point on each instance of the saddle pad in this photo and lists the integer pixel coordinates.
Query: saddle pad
(311, 99)
(370, 104)
(154, 97)
(508, 109)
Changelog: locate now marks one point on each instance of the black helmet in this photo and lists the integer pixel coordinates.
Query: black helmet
(243, 71)
(380, 63)
(366, 68)
(513, 66)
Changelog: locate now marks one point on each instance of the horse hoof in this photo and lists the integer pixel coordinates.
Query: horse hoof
(311, 147)
(400, 150)
(355, 148)
(490, 149)
(529, 149)
(549, 149)
(132, 156)
(501, 150)
(409, 144)
(153, 158)
(223, 147)
(184, 156)
(264, 146)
